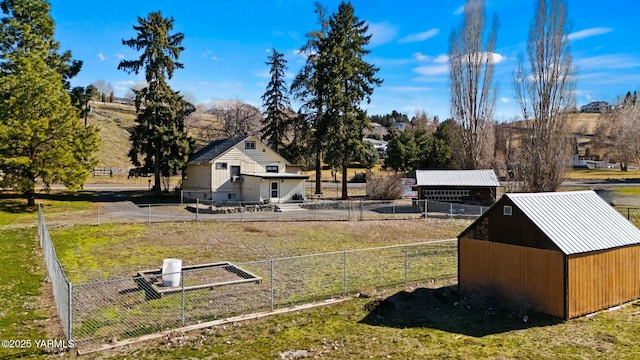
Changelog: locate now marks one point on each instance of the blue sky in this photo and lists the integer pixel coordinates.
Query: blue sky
(227, 43)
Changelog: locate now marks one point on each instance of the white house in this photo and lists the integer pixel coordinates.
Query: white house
(242, 169)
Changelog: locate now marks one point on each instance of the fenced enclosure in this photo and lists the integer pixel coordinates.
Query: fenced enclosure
(321, 210)
(102, 312)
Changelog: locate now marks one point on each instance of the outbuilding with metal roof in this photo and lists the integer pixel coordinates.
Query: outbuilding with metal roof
(565, 254)
(458, 186)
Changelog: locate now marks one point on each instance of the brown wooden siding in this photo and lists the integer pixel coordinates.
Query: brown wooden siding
(603, 279)
(533, 278)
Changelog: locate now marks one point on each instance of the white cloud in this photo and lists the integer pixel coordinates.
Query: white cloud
(123, 85)
(421, 57)
(432, 69)
(214, 58)
(441, 59)
(102, 57)
(120, 56)
(382, 33)
(612, 61)
(459, 10)
(495, 58)
(505, 100)
(588, 33)
(418, 37)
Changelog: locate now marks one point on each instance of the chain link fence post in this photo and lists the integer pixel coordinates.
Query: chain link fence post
(344, 271)
(406, 265)
(197, 208)
(98, 214)
(70, 312)
(271, 296)
(183, 305)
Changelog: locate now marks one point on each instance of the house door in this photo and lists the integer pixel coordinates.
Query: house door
(275, 189)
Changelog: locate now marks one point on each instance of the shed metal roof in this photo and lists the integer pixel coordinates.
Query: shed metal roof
(577, 221)
(470, 178)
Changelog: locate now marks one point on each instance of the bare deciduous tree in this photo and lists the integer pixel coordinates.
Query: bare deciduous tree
(471, 64)
(545, 93)
(239, 118)
(621, 133)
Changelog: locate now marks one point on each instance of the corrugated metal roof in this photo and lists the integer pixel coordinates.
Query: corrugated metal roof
(577, 221)
(215, 149)
(457, 178)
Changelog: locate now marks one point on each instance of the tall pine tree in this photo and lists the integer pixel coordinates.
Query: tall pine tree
(41, 137)
(349, 80)
(277, 115)
(159, 140)
(309, 88)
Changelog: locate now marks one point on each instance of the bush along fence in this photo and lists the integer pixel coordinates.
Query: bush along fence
(322, 210)
(99, 313)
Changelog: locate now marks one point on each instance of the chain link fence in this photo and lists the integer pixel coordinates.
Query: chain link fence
(99, 313)
(62, 289)
(323, 210)
(105, 312)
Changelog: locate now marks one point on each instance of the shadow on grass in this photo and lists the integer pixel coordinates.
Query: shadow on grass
(447, 310)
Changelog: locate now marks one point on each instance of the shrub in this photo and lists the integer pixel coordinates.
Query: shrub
(384, 186)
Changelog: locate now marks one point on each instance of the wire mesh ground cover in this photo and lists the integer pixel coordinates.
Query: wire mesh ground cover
(106, 311)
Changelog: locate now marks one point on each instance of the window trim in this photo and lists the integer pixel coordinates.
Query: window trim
(507, 210)
(271, 168)
(221, 166)
(250, 145)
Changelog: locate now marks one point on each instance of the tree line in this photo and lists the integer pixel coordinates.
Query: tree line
(47, 140)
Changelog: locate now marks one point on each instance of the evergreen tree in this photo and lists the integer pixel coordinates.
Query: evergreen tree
(349, 80)
(80, 98)
(41, 136)
(311, 90)
(25, 20)
(277, 118)
(159, 140)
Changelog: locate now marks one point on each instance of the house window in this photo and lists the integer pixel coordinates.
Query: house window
(507, 211)
(231, 196)
(272, 168)
(250, 145)
(221, 166)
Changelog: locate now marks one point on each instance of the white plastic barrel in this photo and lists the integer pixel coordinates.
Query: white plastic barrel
(171, 269)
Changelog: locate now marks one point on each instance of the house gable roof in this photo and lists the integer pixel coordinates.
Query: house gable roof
(575, 221)
(469, 178)
(215, 149)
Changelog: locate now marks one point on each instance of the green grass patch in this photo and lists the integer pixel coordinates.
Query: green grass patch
(14, 210)
(339, 332)
(626, 190)
(22, 271)
(601, 174)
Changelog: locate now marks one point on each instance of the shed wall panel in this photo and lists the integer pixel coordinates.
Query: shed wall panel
(603, 279)
(528, 277)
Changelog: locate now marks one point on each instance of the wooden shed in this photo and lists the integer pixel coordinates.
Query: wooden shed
(565, 254)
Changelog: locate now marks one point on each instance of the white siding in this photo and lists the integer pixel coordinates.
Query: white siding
(198, 177)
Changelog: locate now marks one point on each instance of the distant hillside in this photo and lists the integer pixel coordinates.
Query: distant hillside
(115, 120)
(581, 125)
